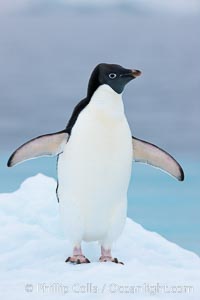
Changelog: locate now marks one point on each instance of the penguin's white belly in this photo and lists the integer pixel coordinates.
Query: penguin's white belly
(93, 176)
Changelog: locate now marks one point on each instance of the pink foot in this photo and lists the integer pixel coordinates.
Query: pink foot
(106, 256)
(78, 257)
(109, 258)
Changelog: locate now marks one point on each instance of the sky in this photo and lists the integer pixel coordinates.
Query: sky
(178, 6)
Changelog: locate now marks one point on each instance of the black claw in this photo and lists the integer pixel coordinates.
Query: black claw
(78, 261)
(87, 260)
(117, 261)
(68, 259)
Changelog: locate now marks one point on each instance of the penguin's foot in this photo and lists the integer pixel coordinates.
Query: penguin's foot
(110, 258)
(106, 256)
(78, 259)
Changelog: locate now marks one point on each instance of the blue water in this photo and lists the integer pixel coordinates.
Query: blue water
(167, 206)
(155, 200)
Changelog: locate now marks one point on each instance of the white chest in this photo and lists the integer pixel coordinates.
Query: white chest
(101, 133)
(94, 169)
(99, 149)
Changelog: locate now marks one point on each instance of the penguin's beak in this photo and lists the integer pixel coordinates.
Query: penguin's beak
(135, 73)
(131, 74)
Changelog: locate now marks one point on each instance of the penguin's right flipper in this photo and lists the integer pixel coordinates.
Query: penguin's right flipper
(45, 145)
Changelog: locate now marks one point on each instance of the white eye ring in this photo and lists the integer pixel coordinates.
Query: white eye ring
(112, 75)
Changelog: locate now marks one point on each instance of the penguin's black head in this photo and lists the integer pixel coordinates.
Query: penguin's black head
(113, 75)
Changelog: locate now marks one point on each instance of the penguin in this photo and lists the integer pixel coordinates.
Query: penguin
(95, 153)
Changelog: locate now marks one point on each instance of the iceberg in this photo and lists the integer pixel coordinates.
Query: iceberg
(33, 252)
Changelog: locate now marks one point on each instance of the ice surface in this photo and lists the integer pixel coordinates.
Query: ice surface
(33, 250)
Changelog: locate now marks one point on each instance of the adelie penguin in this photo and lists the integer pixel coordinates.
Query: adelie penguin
(95, 153)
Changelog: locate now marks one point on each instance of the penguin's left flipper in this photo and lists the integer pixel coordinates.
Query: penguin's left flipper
(151, 154)
(45, 145)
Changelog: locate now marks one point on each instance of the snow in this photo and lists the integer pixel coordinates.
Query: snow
(33, 250)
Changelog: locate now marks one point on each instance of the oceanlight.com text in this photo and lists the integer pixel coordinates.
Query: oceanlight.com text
(109, 288)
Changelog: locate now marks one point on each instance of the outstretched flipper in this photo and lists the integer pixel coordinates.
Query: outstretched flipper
(145, 152)
(45, 145)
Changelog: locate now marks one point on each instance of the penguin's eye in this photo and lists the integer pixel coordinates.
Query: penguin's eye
(112, 75)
